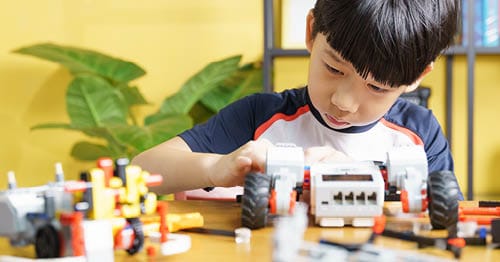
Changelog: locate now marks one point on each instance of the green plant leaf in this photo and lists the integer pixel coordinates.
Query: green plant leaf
(196, 86)
(53, 125)
(92, 102)
(101, 132)
(255, 81)
(91, 131)
(87, 151)
(144, 137)
(83, 61)
(153, 118)
(132, 95)
(247, 80)
(114, 145)
(200, 113)
(99, 100)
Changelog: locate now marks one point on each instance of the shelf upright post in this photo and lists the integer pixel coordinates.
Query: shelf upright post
(267, 66)
(471, 56)
(449, 97)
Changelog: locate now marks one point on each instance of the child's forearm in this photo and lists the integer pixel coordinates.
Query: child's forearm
(181, 169)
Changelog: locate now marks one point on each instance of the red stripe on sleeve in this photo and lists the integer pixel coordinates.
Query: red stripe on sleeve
(279, 116)
(412, 135)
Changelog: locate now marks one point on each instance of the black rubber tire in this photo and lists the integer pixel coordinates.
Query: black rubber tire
(443, 196)
(255, 201)
(47, 242)
(139, 235)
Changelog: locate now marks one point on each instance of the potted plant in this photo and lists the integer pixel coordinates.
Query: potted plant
(100, 98)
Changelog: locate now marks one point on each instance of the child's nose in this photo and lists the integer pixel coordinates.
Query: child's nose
(345, 98)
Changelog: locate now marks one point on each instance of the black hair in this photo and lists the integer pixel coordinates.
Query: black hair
(394, 40)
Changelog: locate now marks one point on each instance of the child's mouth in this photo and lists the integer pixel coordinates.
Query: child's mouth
(335, 122)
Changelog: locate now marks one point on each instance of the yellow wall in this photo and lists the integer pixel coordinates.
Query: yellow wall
(171, 40)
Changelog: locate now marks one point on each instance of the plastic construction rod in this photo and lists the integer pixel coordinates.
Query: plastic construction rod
(209, 231)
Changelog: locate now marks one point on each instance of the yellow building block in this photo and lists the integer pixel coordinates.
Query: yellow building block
(103, 198)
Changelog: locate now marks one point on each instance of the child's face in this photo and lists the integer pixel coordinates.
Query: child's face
(340, 94)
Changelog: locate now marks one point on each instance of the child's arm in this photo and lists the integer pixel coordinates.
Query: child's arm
(183, 169)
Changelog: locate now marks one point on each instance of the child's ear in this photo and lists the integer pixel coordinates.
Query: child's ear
(414, 86)
(309, 26)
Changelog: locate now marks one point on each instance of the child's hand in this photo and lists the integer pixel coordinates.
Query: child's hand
(324, 154)
(230, 169)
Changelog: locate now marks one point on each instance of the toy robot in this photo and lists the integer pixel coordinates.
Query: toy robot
(350, 193)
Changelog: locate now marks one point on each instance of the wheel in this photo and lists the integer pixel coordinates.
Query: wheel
(138, 235)
(255, 201)
(47, 242)
(443, 194)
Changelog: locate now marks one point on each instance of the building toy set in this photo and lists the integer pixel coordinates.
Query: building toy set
(94, 216)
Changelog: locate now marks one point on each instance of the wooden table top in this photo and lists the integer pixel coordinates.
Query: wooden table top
(226, 216)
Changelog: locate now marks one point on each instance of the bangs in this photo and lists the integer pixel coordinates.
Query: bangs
(394, 41)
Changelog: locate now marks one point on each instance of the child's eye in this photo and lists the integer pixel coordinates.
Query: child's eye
(377, 89)
(333, 70)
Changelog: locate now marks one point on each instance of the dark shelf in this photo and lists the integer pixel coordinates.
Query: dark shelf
(271, 52)
(454, 50)
(494, 50)
(478, 50)
(277, 52)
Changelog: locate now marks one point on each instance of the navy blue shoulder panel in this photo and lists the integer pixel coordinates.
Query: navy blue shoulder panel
(235, 124)
(422, 122)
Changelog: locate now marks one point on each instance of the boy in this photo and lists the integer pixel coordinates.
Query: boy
(364, 55)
